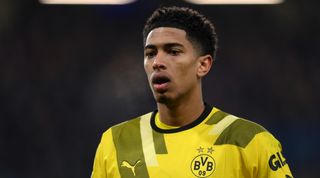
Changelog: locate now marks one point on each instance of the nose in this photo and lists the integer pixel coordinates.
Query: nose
(158, 63)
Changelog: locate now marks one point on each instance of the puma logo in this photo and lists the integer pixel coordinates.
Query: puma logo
(128, 165)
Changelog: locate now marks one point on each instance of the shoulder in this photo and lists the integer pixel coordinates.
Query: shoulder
(128, 127)
(238, 131)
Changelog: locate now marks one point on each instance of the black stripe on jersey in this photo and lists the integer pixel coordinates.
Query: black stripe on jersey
(239, 133)
(204, 115)
(159, 143)
(216, 117)
(128, 144)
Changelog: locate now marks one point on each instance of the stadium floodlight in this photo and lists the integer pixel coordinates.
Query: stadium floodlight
(226, 2)
(112, 2)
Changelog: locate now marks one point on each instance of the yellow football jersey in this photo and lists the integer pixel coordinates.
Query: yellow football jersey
(216, 145)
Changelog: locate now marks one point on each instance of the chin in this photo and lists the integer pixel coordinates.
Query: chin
(165, 99)
(162, 98)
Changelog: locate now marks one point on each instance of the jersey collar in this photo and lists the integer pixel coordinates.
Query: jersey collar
(204, 115)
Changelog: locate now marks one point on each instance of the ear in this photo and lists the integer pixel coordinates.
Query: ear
(204, 65)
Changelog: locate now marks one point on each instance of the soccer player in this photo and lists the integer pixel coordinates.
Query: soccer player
(185, 137)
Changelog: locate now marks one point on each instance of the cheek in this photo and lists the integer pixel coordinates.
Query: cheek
(147, 68)
(188, 70)
(146, 65)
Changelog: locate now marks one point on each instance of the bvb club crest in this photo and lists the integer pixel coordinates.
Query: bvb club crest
(203, 164)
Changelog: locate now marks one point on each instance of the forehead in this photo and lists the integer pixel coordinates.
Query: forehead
(163, 35)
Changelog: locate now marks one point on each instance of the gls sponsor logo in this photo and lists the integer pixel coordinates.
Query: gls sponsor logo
(276, 161)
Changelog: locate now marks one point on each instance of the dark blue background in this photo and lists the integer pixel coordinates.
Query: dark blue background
(67, 73)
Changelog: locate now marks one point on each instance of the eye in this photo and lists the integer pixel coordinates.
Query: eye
(174, 52)
(149, 54)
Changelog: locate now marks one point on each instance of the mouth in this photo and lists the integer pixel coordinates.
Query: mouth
(157, 79)
(160, 82)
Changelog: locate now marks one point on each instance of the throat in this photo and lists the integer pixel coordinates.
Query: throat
(162, 125)
(181, 115)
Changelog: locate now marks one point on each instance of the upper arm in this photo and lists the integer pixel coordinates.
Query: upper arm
(105, 161)
(267, 157)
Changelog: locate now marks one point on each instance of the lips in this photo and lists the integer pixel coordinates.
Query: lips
(160, 82)
(158, 79)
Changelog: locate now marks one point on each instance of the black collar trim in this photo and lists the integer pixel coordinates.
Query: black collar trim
(204, 115)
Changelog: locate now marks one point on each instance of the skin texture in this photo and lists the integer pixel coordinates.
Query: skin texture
(175, 69)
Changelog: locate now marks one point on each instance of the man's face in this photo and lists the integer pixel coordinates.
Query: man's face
(171, 64)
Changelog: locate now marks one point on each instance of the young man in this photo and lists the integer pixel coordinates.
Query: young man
(185, 137)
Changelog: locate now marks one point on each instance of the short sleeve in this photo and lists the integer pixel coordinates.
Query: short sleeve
(269, 160)
(100, 161)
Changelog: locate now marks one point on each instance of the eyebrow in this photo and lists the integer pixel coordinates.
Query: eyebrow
(166, 46)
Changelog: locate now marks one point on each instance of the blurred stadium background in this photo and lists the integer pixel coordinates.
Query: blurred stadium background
(68, 72)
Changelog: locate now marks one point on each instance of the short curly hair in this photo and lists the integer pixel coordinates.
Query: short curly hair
(200, 31)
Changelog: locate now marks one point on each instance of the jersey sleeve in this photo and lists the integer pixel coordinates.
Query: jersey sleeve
(105, 164)
(267, 157)
(100, 162)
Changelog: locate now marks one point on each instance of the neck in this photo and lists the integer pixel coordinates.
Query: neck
(182, 112)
